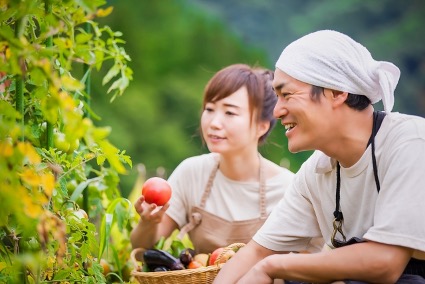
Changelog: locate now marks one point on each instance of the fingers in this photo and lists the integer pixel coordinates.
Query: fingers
(164, 208)
(150, 212)
(138, 204)
(144, 208)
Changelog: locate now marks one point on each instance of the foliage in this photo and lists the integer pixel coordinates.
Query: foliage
(390, 29)
(178, 45)
(175, 49)
(56, 167)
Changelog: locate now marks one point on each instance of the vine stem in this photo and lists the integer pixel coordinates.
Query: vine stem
(86, 69)
(19, 79)
(49, 44)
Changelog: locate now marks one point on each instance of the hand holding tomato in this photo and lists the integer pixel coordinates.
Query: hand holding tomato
(156, 190)
(150, 213)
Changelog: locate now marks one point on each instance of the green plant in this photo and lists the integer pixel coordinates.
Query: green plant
(57, 168)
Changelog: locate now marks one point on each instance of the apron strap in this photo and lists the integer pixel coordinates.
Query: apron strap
(208, 187)
(262, 190)
(263, 211)
(195, 219)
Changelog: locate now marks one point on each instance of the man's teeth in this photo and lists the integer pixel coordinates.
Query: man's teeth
(289, 126)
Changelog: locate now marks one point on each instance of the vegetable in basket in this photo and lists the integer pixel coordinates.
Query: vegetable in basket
(158, 258)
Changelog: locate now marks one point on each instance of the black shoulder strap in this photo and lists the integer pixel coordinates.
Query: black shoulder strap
(378, 117)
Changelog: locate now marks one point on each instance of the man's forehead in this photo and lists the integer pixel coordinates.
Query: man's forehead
(280, 79)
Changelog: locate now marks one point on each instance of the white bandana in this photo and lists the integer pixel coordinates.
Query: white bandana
(335, 61)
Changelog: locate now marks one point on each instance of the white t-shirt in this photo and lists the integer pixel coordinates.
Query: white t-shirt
(229, 199)
(394, 216)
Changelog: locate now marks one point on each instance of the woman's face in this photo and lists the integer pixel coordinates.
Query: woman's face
(226, 124)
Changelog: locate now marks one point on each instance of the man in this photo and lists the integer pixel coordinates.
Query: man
(363, 189)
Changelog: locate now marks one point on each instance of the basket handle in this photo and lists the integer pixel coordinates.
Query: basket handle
(235, 247)
(133, 257)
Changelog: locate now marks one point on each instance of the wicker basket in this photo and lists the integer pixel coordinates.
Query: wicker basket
(187, 276)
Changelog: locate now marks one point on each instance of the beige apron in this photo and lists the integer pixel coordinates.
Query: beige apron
(208, 231)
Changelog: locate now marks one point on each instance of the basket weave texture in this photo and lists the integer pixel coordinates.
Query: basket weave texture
(187, 276)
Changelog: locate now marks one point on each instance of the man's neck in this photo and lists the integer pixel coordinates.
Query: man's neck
(352, 137)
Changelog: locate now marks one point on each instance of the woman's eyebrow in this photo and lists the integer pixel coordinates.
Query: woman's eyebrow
(231, 105)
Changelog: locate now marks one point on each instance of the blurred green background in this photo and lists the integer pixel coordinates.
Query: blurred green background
(176, 46)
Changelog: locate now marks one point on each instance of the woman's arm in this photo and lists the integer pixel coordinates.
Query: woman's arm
(152, 225)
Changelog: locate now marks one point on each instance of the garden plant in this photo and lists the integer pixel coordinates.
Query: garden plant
(62, 216)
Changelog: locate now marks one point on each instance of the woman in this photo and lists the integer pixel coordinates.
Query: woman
(224, 196)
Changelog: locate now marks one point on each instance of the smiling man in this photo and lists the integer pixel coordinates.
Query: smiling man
(362, 189)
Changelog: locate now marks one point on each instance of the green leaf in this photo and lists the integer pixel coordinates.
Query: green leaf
(111, 73)
(177, 247)
(111, 152)
(160, 243)
(187, 242)
(83, 37)
(80, 188)
(115, 85)
(107, 220)
(71, 84)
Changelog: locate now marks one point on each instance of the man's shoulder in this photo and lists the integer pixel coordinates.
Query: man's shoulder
(406, 125)
(318, 163)
(398, 116)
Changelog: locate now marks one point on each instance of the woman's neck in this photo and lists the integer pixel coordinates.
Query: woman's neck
(241, 168)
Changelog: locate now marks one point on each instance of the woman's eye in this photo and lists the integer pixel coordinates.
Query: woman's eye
(230, 113)
(208, 109)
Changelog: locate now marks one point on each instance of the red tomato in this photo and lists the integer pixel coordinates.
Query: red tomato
(156, 190)
(214, 255)
(223, 259)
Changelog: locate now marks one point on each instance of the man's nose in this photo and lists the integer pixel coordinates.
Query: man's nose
(280, 108)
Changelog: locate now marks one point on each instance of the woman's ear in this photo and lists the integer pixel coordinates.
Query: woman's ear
(262, 128)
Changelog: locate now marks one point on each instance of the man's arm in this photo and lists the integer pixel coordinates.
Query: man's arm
(241, 262)
(370, 261)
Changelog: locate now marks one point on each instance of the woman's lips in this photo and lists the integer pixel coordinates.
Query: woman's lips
(215, 138)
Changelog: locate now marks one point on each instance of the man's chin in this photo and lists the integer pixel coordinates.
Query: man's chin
(295, 148)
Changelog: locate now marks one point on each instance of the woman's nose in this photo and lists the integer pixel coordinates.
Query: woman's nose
(216, 121)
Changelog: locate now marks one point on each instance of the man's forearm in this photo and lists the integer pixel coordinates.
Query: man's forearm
(370, 262)
(241, 262)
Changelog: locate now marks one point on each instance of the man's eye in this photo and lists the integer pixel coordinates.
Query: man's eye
(285, 95)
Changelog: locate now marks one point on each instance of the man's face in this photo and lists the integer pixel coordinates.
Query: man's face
(305, 119)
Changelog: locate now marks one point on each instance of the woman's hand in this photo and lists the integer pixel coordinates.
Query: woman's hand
(145, 234)
(149, 213)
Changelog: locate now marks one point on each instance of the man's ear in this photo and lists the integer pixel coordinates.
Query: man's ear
(339, 97)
